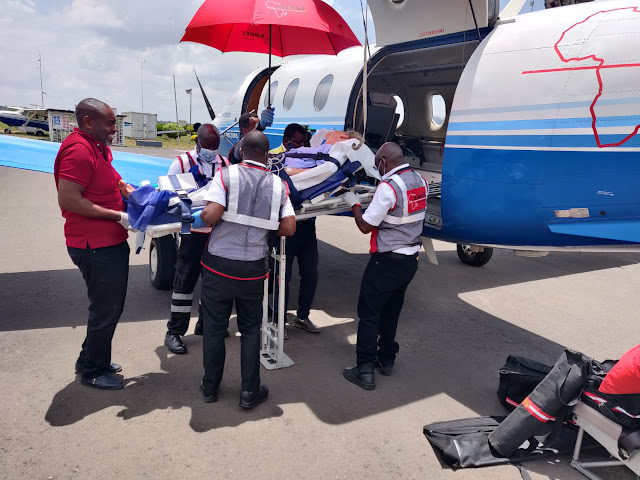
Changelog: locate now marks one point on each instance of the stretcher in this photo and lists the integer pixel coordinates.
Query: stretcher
(621, 443)
(317, 191)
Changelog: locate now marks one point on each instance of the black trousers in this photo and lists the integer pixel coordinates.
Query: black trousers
(384, 283)
(218, 296)
(105, 271)
(188, 270)
(303, 245)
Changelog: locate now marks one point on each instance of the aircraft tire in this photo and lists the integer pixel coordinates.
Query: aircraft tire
(162, 262)
(475, 259)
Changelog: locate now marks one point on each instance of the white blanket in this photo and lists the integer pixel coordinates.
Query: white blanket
(341, 151)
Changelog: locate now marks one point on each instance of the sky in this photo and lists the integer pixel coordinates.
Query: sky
(92, 48)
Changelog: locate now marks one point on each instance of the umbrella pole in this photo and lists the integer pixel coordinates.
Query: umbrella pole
(269, 78)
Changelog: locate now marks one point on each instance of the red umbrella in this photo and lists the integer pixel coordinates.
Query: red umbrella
(278, 27)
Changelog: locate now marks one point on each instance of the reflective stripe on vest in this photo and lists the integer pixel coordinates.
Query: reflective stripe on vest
(186, 157)
(405, 218)
(231, 214)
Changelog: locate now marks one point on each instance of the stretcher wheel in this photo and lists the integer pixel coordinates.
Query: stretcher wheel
(163, 254)
(475, 259)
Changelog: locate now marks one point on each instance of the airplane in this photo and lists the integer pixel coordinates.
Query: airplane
(525, 127)
(25, 120)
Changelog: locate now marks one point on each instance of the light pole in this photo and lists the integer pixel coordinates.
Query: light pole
(141, 61)
(188, 91)
(175, 98)
(42, 92)
(144, 120)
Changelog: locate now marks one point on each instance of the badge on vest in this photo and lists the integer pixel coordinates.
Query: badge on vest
(416, 199)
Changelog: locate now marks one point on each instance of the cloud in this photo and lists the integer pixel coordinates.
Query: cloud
(95, 48)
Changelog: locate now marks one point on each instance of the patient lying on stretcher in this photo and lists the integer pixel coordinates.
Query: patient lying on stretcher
(307, 157)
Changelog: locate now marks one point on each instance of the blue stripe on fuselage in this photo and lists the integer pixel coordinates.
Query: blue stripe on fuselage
(571, 141)
(508, 197)
(544, 123)
(545, 106)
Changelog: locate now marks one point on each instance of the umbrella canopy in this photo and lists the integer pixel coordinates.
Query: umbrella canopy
(279, 27)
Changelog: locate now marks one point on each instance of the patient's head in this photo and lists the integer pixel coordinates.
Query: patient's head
(335, 136)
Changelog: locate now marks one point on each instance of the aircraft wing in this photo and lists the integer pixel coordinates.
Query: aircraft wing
(621, 230)
(39, 156)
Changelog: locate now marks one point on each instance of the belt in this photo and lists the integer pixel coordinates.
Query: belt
(397, 256)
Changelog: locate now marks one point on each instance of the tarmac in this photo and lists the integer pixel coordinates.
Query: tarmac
(457, 327)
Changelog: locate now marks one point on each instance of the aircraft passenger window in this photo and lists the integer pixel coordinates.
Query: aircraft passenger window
(274, 89)
(437, 111)
(399, 111)
(322, 92)
(290, 94)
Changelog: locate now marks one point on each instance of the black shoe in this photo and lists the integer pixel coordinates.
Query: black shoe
(251, 399)
(198, 328)
(104, 382)
(361, 375)
(385, 368)
(113, 368)
(208, 398)
(174, 344)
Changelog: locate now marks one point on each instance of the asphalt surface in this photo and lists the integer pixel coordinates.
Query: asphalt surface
(457, 328)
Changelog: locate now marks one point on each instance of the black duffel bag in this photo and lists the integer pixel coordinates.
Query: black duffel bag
(546, 406)
(518, 378)
(464, 443)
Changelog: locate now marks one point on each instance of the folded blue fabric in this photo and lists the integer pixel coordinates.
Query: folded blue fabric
(148, 206)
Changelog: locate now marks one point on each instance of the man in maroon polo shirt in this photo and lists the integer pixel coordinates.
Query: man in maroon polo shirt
(90, 195)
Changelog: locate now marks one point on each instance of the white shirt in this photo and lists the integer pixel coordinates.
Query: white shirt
(205, 168)
(384, 200)
(217, 193)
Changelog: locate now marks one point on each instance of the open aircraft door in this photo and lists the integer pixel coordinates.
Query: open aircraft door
(423, 49)
(399, 21)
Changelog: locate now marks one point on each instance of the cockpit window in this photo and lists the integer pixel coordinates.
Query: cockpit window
(274, 89)
(437, 111)
(322, 92)
(290, 94)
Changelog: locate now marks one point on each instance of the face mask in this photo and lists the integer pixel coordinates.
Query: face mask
(207, 155)
(377, 167)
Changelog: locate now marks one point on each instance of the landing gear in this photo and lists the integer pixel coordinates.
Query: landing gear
(163, 253)
(470, 255)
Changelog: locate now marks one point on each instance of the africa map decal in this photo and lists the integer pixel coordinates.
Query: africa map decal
(577, 37)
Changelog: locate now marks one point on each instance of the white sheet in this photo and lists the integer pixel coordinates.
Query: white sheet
(341, 151)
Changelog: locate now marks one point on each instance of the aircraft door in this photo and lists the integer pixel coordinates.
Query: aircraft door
(399, 21)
